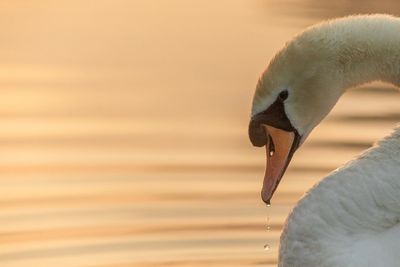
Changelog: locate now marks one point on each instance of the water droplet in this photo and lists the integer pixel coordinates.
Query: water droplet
(267, 224)
(268, 227)
(271, 153)
(268, 205)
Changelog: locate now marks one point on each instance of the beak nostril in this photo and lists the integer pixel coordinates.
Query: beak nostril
(271, 146)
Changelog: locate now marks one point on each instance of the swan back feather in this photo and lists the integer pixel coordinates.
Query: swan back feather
(351, 216)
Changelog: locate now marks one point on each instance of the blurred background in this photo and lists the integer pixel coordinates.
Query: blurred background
(123, 136)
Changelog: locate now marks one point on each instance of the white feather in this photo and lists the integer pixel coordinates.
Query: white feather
(351, 218)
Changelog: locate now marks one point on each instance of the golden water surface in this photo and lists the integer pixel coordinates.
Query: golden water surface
(123, 130)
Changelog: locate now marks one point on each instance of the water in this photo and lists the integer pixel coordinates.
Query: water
(123, 135)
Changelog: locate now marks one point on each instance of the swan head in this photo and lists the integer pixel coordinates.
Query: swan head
(297, 90)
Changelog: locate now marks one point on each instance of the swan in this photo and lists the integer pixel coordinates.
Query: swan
(352, 217)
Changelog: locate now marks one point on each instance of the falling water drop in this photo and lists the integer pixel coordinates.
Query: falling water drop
(266, 246)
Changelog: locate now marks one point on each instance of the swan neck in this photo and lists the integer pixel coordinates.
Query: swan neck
(371, 57)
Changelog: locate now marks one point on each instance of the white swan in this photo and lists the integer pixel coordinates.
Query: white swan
(351, 218)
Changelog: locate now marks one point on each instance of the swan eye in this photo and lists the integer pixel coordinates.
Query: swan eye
(283, 95)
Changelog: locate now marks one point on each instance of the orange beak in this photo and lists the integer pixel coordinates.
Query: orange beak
(280, 148)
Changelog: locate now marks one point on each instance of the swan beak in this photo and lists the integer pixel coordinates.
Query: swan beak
(280, 148)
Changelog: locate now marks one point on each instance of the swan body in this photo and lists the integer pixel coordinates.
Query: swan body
(351, 218)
